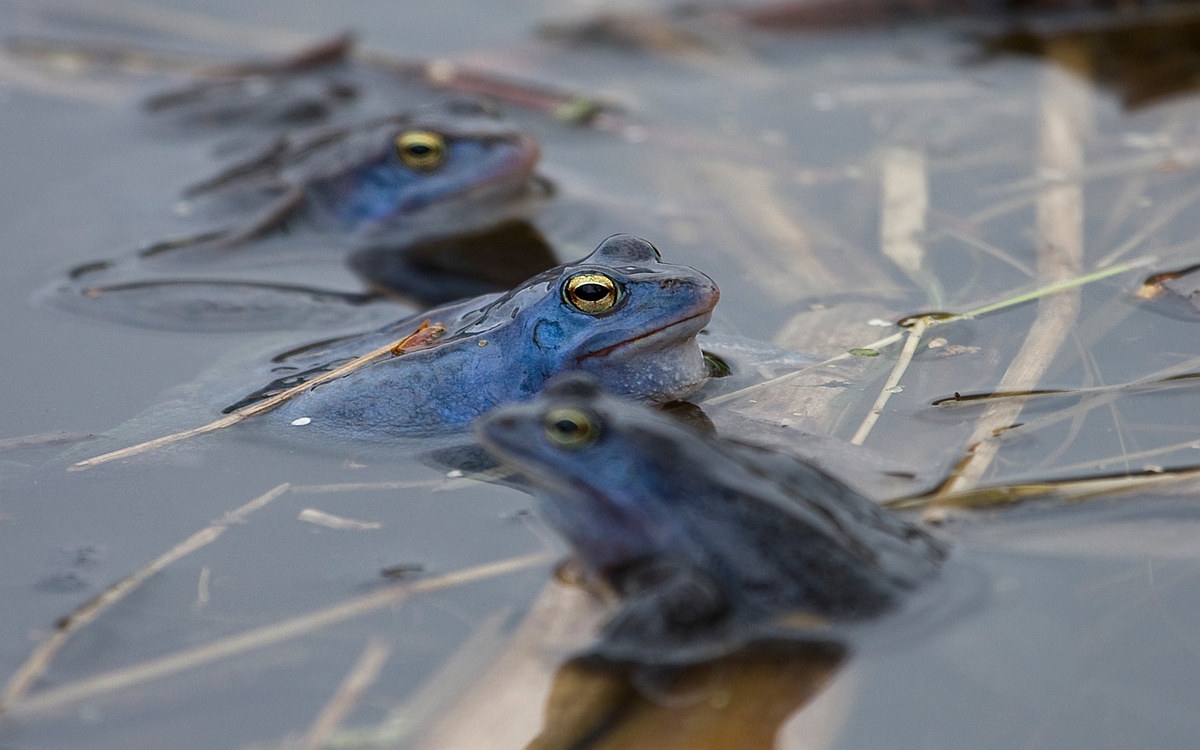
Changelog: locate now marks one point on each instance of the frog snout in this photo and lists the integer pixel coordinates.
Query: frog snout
(700, 286)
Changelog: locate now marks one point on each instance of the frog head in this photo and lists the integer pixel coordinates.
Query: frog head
(621, 314)
(428, 170)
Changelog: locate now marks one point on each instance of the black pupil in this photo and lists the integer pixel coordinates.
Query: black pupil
(419, 149)
(591, 292)
(567, 427)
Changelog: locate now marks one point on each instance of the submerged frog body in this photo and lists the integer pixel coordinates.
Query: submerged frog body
(394, 177)
(707, 542)
(620, 314)
(429, 204)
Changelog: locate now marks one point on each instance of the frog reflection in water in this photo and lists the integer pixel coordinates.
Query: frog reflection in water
(707, 542)
(385, 187)
(620, 314)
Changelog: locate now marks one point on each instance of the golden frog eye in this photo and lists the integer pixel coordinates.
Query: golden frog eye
(570, 428)
(422, 150)
(591, 293)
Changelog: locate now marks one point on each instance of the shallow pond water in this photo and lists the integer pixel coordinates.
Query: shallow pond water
(775, 168)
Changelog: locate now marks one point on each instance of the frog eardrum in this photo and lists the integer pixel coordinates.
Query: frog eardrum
(591, 293)
(570, 428)
(422, 150)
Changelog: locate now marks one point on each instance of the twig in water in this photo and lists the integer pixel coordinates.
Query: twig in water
(269, 635)
(1036, 294)
(39, 661)
(1065, 112)
(364, 674)
(892, 384)
(1084, 488)
(395, 348)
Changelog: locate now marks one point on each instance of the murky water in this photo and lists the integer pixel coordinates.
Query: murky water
(767, 167)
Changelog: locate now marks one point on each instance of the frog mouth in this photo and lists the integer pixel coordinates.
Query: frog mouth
(652, 336)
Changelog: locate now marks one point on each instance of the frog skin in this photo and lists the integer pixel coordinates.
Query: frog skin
(395, 177)
(707, 542)
(620, 314)
(440, 230)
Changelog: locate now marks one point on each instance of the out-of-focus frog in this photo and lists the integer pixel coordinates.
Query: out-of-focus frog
(621, 314)
(708, 543)
(429, 204)
(385, 180)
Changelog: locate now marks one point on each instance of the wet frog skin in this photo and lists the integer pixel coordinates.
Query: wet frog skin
(620, 314)
(706, 542)
(429, 204)
(395, 177)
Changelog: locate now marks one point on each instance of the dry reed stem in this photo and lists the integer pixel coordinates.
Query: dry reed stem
(395, 348)
(314, 489)
(39, 661)
(362, 676)
(269, 635)
(1067, 489)
(792, 268)
(504, 707)
(892, 383)
(330, 521)
(1065, 114)
(905, 201)
(452, 678)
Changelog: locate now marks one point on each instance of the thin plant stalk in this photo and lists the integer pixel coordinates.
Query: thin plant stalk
(39, 661)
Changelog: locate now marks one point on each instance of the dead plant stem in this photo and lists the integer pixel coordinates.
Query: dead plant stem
(39, 661)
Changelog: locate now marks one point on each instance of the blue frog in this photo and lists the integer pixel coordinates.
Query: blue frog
(709, 543)
(392, 178)
(621, 314)
(430, 205)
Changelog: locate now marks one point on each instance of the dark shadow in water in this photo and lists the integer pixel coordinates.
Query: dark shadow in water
(739, 701)
(1144, 57)
(450, 268)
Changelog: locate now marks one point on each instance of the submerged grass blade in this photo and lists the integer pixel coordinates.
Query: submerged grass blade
(361, 677)
(269, 635)
(39, 661)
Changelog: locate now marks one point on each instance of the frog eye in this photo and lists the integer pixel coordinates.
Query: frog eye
(570, 428)
(591, 293)
(422, 150)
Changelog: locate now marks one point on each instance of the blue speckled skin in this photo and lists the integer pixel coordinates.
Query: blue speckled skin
(707, 541)
(505, 347)
(350, 178)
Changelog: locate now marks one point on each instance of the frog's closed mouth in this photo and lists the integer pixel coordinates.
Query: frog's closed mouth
(670, 331)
